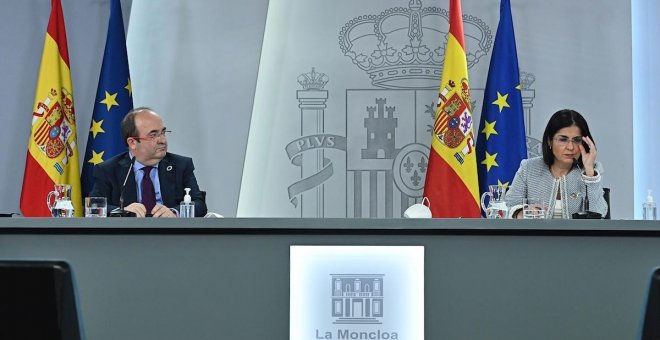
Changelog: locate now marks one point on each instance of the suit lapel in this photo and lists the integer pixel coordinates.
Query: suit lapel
(167, 178)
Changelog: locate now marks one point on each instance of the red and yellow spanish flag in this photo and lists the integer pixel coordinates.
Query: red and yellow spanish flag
(52, 156)
(451, 181)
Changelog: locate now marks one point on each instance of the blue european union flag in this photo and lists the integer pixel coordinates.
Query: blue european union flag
(501, 143)
(114, 98)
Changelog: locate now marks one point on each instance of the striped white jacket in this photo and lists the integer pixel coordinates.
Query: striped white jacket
(534, 180)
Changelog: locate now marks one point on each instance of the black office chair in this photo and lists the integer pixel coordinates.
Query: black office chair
(650, 325)
(37, 301)
(606, 195)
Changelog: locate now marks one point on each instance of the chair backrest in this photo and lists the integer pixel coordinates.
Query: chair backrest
(650, 325)
(37, 301)
(606, 195)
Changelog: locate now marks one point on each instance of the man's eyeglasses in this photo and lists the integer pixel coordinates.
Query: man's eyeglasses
(153, 136)
(563, 140)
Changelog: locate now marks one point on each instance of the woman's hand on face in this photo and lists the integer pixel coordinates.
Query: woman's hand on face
(588, 158)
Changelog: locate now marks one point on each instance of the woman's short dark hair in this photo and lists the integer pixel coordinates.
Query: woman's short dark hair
(559, 120)
(128, 128)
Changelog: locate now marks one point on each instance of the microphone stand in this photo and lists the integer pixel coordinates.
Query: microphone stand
(585, 214)
(120, 212)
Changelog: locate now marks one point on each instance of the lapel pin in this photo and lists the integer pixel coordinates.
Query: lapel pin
(169, 168)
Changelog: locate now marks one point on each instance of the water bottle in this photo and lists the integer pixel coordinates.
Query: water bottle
(648, 208)
(187, 207)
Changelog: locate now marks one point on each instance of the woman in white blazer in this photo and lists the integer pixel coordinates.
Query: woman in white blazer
(567, 177)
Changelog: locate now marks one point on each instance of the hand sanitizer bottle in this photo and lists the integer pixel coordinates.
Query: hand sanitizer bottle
(648, 208)
(187, 207)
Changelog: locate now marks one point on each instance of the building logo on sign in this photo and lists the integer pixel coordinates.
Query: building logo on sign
(357, 299)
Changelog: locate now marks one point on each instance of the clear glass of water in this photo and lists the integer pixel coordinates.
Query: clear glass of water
(534, 209)
(96, 207)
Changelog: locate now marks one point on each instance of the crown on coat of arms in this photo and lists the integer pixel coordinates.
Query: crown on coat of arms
(405, 47)
(313, 80)
(526, 80)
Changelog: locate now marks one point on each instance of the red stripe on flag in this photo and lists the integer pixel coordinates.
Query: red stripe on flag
(448, 195)
(57, 31)
(456, 21)
(36, 186)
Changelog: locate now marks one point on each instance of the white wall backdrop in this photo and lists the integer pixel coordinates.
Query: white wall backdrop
(196, 63)
(203, 64)
(646, 86)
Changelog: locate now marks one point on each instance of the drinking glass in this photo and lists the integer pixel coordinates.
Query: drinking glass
(534, 209)
(96, 207)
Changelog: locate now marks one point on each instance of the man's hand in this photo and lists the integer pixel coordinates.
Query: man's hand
(137, 208)
(162, 211)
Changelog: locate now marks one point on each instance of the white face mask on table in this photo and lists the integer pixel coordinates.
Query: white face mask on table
(419, 210)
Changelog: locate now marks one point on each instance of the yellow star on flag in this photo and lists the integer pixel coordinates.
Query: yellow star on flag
(489, 161)
(96, 127)
(519, 87)
(129, 87)
(502, 184)
(96, 157)
(489, 129)
(501, 101)
(110, 100)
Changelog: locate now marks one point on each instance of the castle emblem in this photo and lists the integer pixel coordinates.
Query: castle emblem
(380, 131)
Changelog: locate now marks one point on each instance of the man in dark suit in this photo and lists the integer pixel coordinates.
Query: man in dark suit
(156, 182)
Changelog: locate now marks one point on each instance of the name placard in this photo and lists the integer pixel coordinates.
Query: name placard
(357, 292)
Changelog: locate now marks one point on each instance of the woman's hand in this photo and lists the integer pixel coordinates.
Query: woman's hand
(518, 214)
(588, 158)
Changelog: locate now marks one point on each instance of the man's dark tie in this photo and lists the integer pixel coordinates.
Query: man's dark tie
(148, 191)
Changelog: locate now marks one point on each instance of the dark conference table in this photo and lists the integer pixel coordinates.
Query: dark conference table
(229, 278)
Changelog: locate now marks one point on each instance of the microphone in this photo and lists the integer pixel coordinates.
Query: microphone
(585, 213)
(120, 212)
